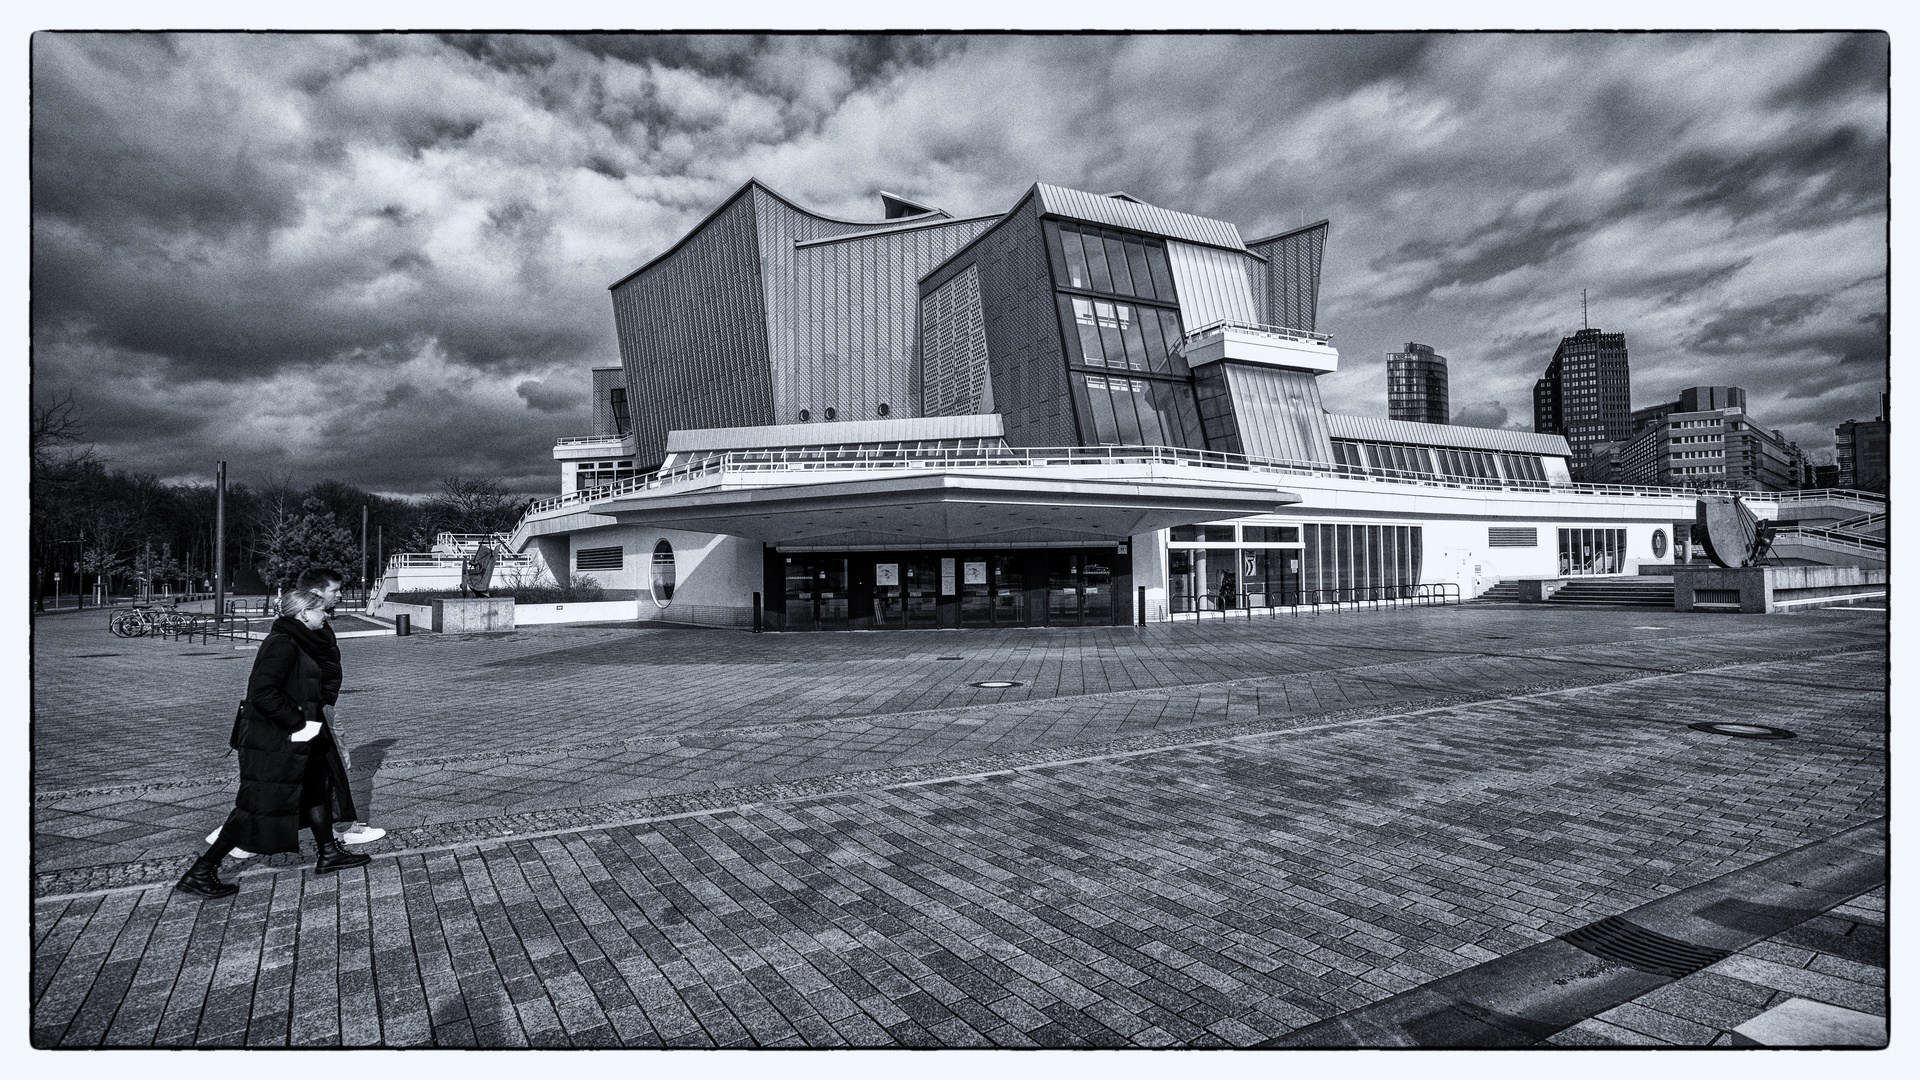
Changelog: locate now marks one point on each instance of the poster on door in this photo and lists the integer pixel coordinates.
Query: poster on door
(946, 577)
(975, 573)
(886, 573)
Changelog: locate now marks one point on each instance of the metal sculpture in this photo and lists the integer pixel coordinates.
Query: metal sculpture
(476, 573)
(1732, 535)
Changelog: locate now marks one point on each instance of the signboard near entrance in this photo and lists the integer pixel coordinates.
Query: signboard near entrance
(946, 577)
(974, 573)
(886, 573)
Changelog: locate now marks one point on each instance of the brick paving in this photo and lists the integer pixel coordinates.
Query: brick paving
(1187, 835)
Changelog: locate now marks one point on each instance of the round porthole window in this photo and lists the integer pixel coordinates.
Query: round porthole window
(1659, 543)
(663, 574)
(831, 412)
(884, 409)
(805, 416)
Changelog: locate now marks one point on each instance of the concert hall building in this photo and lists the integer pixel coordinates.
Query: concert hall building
(1049, 416)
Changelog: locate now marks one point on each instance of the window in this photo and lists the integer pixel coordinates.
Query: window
(617, 398)
(1101, 261)
(661, 581)
(606, 558)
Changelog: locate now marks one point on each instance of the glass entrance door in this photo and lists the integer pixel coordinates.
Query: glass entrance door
(976, 590)
(1009, 601)
(1079, 589)
(816, 593)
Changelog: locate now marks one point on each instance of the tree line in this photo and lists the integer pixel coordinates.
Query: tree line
(126, 530)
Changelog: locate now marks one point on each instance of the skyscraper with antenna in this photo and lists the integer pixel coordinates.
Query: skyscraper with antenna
(1586, 394)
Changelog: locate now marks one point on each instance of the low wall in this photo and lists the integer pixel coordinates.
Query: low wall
(601, 611)
(475, 615)
(421, 615)
(1763, 590)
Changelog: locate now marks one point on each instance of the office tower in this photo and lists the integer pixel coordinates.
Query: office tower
(1707, 438)
(1417, 385)
(1860, 452)
(1585, 395)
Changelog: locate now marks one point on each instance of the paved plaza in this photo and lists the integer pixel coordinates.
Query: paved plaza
(1331, 829)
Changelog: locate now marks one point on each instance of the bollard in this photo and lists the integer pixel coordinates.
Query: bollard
(756, 613)
(402, 625)
(1141, 605)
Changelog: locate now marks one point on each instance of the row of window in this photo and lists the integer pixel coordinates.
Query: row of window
(1111, 263)
(1394, 458)
(1141, 412)
(1234, 534)
(1126, 336)
(1593, 551)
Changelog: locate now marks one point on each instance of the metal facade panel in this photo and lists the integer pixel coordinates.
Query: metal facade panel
(953, 349)
(1139, 217)
(1278, 413)
(844, 316)
(1290, 292)
(1026, 360)
(1212, 284)
(911, 429)
(1374, 429)
(693, 334)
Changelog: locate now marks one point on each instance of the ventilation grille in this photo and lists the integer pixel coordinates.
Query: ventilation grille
(1614, 938)
(1497, 537)
(607, 558)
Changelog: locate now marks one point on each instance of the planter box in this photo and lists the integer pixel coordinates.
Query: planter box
(477, 615)
(421, 615)
(600, 611)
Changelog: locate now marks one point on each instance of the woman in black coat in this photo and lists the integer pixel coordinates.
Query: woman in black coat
(289, 765)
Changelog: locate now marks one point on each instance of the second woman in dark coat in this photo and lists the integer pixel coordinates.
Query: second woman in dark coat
(288, 761)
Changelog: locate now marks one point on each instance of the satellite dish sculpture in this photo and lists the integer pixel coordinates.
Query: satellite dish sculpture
(1732, 536)
(476, 574)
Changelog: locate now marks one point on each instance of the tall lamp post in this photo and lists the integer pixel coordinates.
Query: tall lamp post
(220, 540)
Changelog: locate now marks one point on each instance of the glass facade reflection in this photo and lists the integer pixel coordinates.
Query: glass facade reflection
(1592, 551)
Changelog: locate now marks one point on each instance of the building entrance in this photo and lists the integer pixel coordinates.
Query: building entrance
(926, 590)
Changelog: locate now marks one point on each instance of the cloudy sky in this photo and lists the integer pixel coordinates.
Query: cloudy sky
(384, 259)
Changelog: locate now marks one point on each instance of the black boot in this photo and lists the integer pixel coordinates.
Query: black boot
(203, 879)
(335, 856)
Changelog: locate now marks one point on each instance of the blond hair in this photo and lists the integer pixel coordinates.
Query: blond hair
(299, 600)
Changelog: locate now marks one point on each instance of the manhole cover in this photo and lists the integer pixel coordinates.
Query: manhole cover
(1744, 731)
(1614, 938)
(996, 684)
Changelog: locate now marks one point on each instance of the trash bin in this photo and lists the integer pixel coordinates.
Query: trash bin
(402, 625)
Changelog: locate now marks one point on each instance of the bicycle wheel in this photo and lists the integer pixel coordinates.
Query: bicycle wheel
(119, 624)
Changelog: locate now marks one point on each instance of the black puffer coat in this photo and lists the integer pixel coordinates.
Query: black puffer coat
(287, 688)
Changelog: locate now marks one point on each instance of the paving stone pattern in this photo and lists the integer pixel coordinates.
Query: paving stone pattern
(1187, 835)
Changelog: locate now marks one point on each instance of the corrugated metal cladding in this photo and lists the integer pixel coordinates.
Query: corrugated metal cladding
(843, 316)
(1212, 285)
(693, 334)
(605, 380)
(1288, 286)
(1140, 217)
(953, 349)
(912, 429)
(1278, 413)
(1374, 429)
(1498, 536)
(1026, 360)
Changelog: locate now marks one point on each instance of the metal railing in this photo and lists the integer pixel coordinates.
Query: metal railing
(1290, 333)
(1839, 539)
(787, 461)
(591, 440)
(1338, 598)
(1823, 495)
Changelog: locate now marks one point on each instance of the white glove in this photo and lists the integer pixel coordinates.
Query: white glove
(307, 732)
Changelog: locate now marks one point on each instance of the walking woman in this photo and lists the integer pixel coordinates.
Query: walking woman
(290, 771)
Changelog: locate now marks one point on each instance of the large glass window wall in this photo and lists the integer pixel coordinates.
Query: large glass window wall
(1472, 468)
(1593, 551)
(1359, 562)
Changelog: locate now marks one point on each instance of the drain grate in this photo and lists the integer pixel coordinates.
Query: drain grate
(1614, 938)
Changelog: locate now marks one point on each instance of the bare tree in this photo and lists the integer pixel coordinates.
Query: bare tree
(56, 424)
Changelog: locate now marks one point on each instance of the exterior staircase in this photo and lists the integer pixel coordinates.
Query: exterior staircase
(1618, 592)
(1506, 592)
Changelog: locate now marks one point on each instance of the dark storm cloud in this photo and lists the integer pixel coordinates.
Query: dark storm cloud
(384, 258)
(1482, 414)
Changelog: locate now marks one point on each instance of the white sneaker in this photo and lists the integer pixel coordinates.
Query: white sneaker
(360, 834)
(238, 853)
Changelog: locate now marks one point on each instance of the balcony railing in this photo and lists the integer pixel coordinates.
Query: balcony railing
(591, 440)
(1286, 333)
(751, 462)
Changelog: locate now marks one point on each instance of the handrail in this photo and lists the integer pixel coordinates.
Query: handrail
(585, 440)
(1423, 593)
(1863, 543)
(778, 460)
(1829, 494)
(1293, 333)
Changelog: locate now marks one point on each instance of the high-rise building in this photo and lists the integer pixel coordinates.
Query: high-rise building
(1585, 395)
(1705, 439)
(1860, 451)
(1417, 385)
